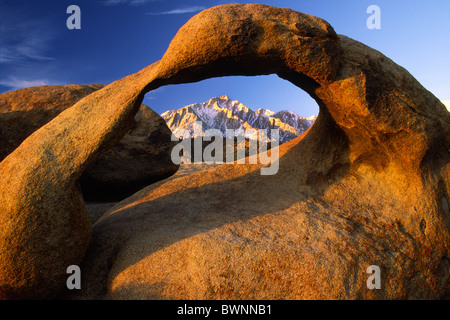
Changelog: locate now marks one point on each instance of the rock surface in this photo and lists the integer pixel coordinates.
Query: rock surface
(44, 223)
(139, 159)
(142, 157)
(368, 184)
(222, 113)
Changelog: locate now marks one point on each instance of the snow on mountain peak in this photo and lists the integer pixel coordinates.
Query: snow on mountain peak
(222, 113)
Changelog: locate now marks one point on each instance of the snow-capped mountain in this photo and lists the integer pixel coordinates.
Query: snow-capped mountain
(222, 113)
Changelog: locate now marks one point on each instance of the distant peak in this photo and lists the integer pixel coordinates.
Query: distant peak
(216, 99)
(166, 113)
(264, 112)
(288, 111)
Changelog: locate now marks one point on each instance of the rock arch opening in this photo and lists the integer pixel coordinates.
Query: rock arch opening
(244, 108)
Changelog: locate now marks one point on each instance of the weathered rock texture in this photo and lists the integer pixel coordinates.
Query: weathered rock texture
(368, 184)
(142, 157)
(139, 159)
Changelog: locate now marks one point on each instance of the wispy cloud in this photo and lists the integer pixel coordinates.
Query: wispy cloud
(14, 83)
(152, 95)
(130, 2)
(181, 10)
(447, 104)
(23, 40)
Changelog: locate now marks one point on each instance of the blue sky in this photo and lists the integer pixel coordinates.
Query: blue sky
(120, 37)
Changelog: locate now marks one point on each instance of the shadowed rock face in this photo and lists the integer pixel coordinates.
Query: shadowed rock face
(368, 184)
(140, 158)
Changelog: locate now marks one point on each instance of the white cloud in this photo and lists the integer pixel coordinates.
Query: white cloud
(178, 11)
(14, 83)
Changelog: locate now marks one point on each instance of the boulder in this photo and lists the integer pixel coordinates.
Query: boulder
(25, 110)
(139, 159)
(367, 185)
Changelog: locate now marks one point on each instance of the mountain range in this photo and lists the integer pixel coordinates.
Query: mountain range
(223, 114)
